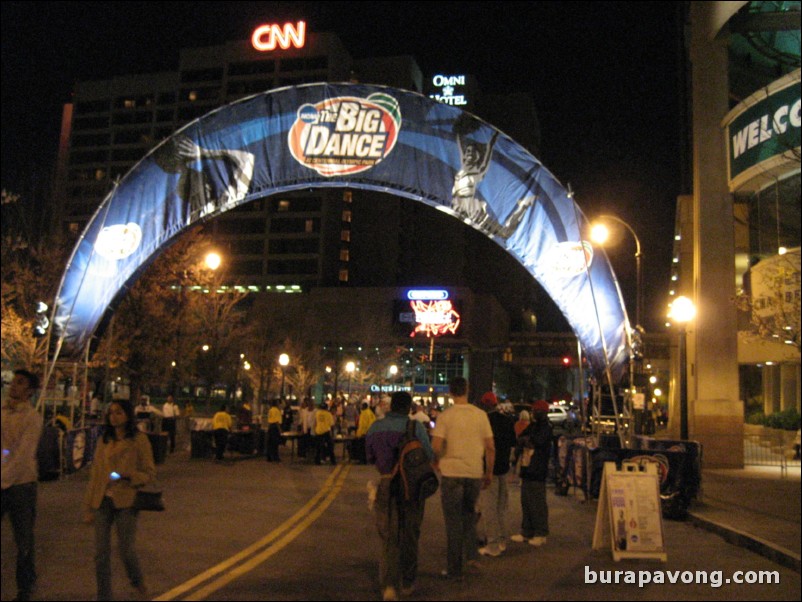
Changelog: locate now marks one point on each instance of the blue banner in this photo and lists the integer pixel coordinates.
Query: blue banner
(340, 135)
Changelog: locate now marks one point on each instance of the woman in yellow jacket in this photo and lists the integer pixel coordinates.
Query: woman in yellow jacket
(123, 462)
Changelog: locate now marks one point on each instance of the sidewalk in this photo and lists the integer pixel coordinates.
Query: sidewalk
(755, 508)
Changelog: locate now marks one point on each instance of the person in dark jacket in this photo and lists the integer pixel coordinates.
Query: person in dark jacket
(534, 451)
(494, 499)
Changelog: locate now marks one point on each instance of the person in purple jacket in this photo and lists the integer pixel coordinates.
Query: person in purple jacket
(397, 520)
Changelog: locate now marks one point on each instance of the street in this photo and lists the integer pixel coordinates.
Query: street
(249, 530)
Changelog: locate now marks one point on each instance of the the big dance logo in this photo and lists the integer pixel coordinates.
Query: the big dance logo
(345, 135)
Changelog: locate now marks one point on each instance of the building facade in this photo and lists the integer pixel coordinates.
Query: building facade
(743, 83)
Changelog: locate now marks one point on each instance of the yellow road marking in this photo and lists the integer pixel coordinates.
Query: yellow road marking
(305, 515)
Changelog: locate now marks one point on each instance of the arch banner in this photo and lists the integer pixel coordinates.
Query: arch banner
(344, 135)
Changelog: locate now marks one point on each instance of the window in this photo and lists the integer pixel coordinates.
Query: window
(309, 226)
(344, 275)
(345, 255)
(348, 196)
(283, 205)
(347, 216)
(345, 235)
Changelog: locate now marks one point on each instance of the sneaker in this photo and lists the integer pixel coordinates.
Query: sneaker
(389, 593)
(444, 574)
(518, 538)
(537, 541)
(490, 551)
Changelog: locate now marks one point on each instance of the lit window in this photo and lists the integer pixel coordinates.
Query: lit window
(129, 103)
(283, 205)
(343, 275)
(310, 226)
(347, 196)
(193, 96)
(345, 255)
(345, 236)
(99, 174)
(347, 216)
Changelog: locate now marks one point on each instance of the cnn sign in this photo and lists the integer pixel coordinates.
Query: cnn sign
(269, 37)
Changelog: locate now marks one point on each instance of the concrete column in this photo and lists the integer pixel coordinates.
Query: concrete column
(715, 412)
(789, 377)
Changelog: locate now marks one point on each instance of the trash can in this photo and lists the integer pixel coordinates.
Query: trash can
(200, 444)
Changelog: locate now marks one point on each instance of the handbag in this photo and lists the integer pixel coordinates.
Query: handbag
(149, 498)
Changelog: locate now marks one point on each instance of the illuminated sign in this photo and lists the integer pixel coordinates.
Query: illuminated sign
(345, 135)
(267, 37)
(427, 295)
(450, 90)
(435, 318)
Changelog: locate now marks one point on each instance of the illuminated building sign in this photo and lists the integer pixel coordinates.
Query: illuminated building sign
(267, 37)
(450, 90)
(427, 295)
(434, 318)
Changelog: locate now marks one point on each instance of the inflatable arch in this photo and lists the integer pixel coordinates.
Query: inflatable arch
(342, 135)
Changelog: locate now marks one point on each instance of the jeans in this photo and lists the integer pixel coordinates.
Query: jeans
(494, 503)
(459, 497)
(20, 503)
(534, 511)
(398, 523)
(125, 519)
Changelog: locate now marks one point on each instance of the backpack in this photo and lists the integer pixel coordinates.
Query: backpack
(413, 474)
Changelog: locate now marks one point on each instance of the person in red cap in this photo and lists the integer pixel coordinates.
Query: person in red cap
(495, 499)
(534, 452)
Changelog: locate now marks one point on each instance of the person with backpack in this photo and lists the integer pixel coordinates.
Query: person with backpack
(398, 509)
(534, 452)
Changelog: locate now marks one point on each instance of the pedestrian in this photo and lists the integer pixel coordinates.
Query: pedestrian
(398, 520)
(303, 418)
(324, 444)
(463, 444)
(534, 452)
(495, 499)
(21, 430)
(524, 418)
(221, 426)
(273, 432)
(366, 419)
(144, 414)
(170, 414)
(123, 462)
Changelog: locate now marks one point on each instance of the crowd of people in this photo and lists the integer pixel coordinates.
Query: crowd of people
(472, 447)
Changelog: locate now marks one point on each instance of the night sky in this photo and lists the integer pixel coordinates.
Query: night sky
(603, 76)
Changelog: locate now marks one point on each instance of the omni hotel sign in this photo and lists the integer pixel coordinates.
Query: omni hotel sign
(763, 133)
(450, 90)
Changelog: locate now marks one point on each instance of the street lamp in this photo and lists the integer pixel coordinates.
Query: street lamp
(350, 367)
(213, 260)
(599, 234)
(284, 361)
(682, 311)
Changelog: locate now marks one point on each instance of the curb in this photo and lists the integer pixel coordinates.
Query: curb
(742, 539)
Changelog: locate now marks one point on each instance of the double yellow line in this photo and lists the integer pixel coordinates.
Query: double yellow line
(208, 582)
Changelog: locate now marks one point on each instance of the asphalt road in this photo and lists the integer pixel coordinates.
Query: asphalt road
(252, 530)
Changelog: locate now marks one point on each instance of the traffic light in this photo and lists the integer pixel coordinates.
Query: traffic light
(42, 322)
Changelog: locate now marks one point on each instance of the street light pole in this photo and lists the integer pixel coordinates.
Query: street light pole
(283, 360)
(638, 272)
(683, 311)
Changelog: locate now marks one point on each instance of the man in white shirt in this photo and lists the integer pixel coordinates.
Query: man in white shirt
(170, 414)
(463, 444)
(21, 429)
